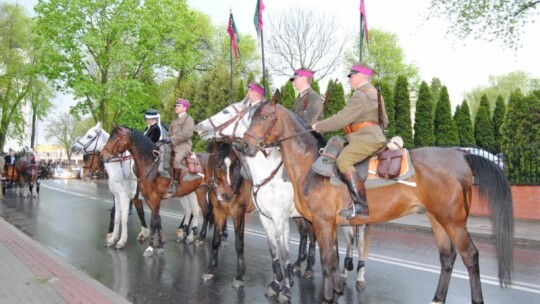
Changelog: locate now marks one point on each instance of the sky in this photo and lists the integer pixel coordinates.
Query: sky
(461, 66)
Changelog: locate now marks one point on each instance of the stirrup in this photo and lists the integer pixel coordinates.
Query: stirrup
(351, 213)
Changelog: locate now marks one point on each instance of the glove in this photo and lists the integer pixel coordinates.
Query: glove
(166, 140)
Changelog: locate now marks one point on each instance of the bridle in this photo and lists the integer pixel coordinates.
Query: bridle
(94, 139)
(235, 119)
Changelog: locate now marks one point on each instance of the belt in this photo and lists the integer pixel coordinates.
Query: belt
(359, 125)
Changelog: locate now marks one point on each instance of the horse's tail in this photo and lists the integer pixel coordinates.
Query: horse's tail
(493, 187)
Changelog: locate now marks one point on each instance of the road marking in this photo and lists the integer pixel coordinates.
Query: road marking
(491, 280)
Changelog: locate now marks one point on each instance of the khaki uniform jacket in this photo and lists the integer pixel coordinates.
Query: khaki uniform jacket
(180, 134)
(309, 106)
(362, 106)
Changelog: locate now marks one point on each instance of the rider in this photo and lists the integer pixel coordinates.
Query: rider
(308, 104)
(255, 94)
(180, 134)
(10, 158)
(156, 132)
(359, 119)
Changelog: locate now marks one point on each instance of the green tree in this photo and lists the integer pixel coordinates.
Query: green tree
(445, 129)
(288, 95)
(435, 88)
(488, 20)
(423, 118)
(463, 122)
(315, 86)
(483, 127)
(388, 97)
(20, 83)
(334, 104)
(402, 107)
(101, 51)
(498, 120)
(385, 56)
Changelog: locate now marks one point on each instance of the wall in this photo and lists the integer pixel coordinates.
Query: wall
(526, 203)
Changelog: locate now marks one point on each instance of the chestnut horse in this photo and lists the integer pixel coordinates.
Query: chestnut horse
(152, 186)
(444, 186)
(230, 195)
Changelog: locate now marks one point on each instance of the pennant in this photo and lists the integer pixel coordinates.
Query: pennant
(257, 19)
(235, 38)
(363, 13)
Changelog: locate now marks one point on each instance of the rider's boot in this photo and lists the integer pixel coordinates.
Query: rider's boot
(358, 194)
(175, 181)
(164, 162)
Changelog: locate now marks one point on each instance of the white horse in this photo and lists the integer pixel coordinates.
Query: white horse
(191, 207)
(122, 184)
(273, 196)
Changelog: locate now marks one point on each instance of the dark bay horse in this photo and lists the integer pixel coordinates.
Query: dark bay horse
(230, 195)
(444, 184)
(152, 186)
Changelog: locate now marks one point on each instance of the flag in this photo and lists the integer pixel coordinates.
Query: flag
(257, 19)
(363, 13)
(235, 38)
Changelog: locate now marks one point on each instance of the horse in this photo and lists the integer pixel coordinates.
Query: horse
(444, 183)
(122, 184)
(25, 174)
(152, 186)
(231, 123)
(230, 195)
(92, 166)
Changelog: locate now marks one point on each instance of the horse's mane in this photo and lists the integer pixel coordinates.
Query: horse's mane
(144, 145)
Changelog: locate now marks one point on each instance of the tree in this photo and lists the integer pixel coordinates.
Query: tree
(502, 85)
(385, 56)
(498, 120)
(288, 95)
(103, 51)
(299, 38)
(388, 97)
(20, 84)
(488, 20)
(334, 104)
(402, 107)
(64, 130)
(463, 122)
(423, 118)
(445, 129)
(435, 88)
(483, 127)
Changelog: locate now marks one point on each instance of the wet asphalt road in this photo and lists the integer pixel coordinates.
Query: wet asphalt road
(71, 219)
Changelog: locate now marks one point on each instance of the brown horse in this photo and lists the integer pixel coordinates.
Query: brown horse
(152, 186)
(92, 166)
(24, 174)
(230, 195)
(444, 184)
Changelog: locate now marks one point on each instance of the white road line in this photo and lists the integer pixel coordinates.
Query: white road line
(517, 285)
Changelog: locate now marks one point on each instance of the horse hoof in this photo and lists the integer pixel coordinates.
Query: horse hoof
(272, 290)
(199, 243)
(119, 246)
(309, 274)
(148, 252)
(284, 295)
(297, 269)
(360, 285)
(207, 276)
(237, 283)
(223, 244)
(160, 251)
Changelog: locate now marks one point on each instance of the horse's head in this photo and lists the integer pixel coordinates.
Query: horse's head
(92, 141)
(264, 128)
(231, 122)
(118, 143)
(225, 172)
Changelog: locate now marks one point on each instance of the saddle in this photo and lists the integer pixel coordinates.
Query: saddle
(389, 165)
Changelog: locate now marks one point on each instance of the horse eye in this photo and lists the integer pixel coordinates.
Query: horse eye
(264, 117)
(89, 136)
(225, 112)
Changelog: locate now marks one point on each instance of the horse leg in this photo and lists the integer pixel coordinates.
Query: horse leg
(327, 238)
(238, 216)
(273, 288)
(447, 257)
(124, 212)
(198, 216)
(282, 224)
(154, 232)
(140, 212)
(112, 237)
(348, 234)
(362, 256)
(460, 237)
(219, 222)
(205, 210)
(302, 248)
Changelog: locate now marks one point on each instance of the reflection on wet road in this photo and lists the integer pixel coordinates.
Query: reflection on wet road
(71, 219)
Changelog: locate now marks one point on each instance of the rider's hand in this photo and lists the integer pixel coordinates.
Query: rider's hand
(166, 140)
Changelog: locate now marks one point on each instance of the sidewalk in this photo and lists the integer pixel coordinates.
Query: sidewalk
(31, 273)
(526, 233)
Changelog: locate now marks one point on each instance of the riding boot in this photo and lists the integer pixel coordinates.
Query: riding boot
(177, 176)
(358, 194)
(164, 161)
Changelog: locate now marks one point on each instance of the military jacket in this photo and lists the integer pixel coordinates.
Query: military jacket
(309, 106)
(180, 134)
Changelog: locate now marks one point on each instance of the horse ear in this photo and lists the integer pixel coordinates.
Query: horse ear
(98, 125)
(276, 97)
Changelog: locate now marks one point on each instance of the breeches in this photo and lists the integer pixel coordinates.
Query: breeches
(354, 153)
(178, 157)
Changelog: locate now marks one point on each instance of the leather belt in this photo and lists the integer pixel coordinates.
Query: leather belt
(359, 125)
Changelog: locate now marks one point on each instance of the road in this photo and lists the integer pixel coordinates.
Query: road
(70, 217)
